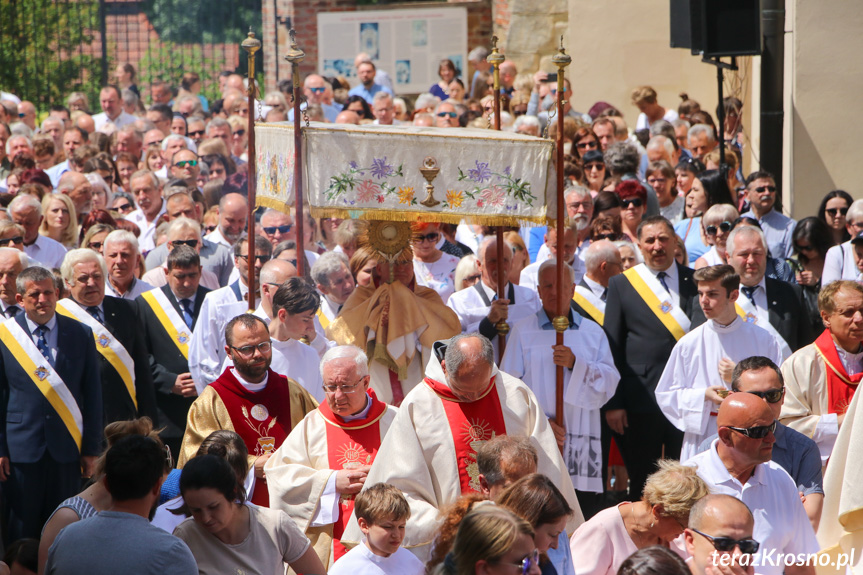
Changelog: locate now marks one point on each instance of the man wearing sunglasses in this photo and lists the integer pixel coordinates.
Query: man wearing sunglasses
(185, 166)
(446, 115)
(720, 527)
(739, 464)
(778, 228)
(181, 232)
(696, 377)
(822, 377)
(314, 89)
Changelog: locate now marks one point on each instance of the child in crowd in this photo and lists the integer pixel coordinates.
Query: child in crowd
(382, 513)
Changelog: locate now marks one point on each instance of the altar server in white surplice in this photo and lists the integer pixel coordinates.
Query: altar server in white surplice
(698, 373)
(429, 452)
(590, 378)
(479, 307)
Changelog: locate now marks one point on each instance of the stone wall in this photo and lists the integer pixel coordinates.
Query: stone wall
(530, 30)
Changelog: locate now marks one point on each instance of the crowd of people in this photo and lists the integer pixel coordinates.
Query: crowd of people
(372, 415)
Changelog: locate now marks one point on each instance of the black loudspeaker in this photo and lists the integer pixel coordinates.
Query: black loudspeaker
(717, 28)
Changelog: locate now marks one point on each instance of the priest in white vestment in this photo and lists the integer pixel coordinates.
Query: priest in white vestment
(479, 308)
(430, 450)
(698, 373)
(821, 378)
(589, 380)
(324, 462)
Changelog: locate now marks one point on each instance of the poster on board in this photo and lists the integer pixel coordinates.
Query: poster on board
(407, 44)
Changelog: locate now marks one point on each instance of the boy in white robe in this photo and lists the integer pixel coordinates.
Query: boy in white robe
(382, 512)
(697, 376)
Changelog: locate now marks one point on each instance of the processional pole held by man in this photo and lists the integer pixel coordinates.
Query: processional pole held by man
(251, 45)
(496, 59)
(295, 56)
(561, 322)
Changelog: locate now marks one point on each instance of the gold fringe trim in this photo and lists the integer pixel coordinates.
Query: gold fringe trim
(274, 203)
(413, 216)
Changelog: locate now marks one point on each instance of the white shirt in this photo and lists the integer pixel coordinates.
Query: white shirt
(693, 366)
(137, 288)
(361, 561)
(852, 362)
(48, 252)
(597, 288)
(529, 277)
(781, 524)
(439, 275)
(124, 119)
(147, 239)
(217, 238)
(329, 308)
(54, 172)
(642, 124)
(760, 297)
(840, 264)
(672, 279)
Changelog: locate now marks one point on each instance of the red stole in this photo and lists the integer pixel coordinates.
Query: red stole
(471, 424)
(351, 444)
(262, 418)
(840, 385)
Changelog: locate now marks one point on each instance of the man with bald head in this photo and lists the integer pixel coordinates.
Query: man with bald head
(314, 88)
(602, 262)
(726, 517)
(348, 117)
(739, 464)
(27, 115)
(427, 453)
(53, 127)
(479, 308)
(80, 191)
(503, 460)
(233, 213)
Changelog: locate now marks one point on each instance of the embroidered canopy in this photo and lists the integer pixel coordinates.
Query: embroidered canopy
(384, 173)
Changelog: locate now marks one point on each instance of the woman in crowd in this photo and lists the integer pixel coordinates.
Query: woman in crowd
(102, 194)
(466, 272)
(585, 141)
(95, 498)
(601, 544)
(361, 107)
(605, 228)
(127, 165)
(59, 222)
(153, 159)
(11, 235)
(239, 137)
(491, 536)
(363, 264)
(520, 257)
(432, 268)
(95, 236)
(125, 77)
(223, 530)
(715, 227)
(123, 203)
(687, 107)
(707, 189)
(841, 262)
(219, 166)
(654, 560)
(447, 73)
(629, 254)
(535, 499)
(633, 201)
(685, 171)
(833, 211)
(607, 204)
(660, 175)
(812, 240)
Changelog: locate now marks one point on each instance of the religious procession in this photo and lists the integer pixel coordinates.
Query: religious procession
(359, 325)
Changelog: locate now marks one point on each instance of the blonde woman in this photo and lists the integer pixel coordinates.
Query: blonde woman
(520, 257)
(60, 222)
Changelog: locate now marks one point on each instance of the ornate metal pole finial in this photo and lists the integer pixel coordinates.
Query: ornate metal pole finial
(295, 56)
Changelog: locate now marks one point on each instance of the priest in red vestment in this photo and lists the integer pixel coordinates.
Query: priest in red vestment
(317, 471)
(249, 399)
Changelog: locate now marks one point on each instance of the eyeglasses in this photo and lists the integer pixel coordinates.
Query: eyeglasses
(576, 205)
(610, 237)
(725, 544)
(249, 350)
(446, 114)
(12, 240)
(771, 396)
(724, 227)
(320, 90)
(184, 163)
(474, 278)
(262, 259)
(757, 432)
(270, 230)
(805, 248)
(96, 245)
(584, 145)
(594, 166)
(634, 202)
(346, 389)
(761, 189)
(123, 207)
(190, 243)
(239, 133)
(195, 133)
(833, 211)
(529, 561)
(210, 229)
(655, 181)
(554, 90)
(432, 237)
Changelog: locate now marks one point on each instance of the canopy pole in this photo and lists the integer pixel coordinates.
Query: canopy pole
(496, 59)
(251, 45)
(295, 56)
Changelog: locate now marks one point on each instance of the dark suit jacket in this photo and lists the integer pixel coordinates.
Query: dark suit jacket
(28, 424)
(120, 320)
(787, 313)
(578, 309)
(640, 343)
(166, 360)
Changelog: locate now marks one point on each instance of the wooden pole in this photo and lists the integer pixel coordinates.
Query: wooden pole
(295, 56)
(251, 45)
(496, 59)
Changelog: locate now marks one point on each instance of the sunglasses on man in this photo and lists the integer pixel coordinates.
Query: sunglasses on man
(747, 546)
(756, 432)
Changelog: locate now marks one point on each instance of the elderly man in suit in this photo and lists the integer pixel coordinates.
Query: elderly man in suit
(649, 308)
(168, 316)
(127, 384)
(51, 414)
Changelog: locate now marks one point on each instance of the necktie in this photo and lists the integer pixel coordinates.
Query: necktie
(42, 343)
(95, 312)
(12, 311)
(186, 304)
(661, 277)
(604, 294)
(749, 291)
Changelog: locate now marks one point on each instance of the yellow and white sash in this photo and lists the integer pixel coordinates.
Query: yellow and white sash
(171, 321)
(588, 301)
(658, 300)
(749, 313)
(43, 375)
(106, 344)
(322, 317)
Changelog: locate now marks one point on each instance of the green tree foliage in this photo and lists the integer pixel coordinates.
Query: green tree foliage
(203, 21)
